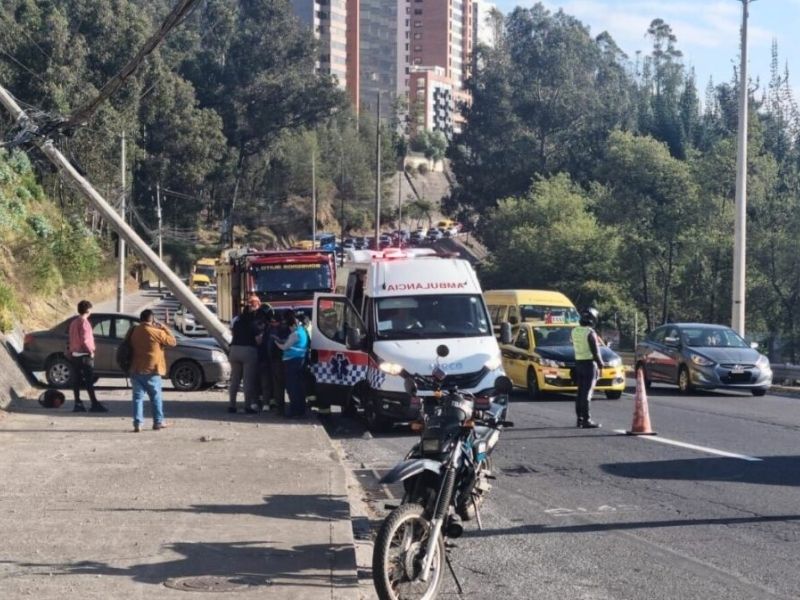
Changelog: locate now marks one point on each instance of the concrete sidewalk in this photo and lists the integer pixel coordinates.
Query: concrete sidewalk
(215, 503)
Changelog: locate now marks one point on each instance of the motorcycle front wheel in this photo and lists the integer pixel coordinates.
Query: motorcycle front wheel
(398, 553)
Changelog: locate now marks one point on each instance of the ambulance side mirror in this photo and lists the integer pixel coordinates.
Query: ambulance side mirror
(353, 341)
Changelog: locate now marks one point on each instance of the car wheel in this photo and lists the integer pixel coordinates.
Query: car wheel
(684, 383)
(59, 372)
(186, 376)
(613, 395)
(758, 392)
(376, 423)
(533, 385)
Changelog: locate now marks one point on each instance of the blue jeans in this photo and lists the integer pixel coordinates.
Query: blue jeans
(149, 384)
(293, 369)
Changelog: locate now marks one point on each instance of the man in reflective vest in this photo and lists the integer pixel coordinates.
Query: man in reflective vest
(588, 364)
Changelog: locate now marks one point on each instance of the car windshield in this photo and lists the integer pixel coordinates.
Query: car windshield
(552, 336)
(542, 313)
(451, 315)
(717, 337)
(292, 277)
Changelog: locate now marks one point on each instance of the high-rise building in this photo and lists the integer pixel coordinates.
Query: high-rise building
(438, 39)
(378, 41)
(328, 21)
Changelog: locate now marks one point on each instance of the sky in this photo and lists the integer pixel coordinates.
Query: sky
(707, 31)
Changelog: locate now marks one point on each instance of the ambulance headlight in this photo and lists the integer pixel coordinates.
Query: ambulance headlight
(391, 368)
(493, 363)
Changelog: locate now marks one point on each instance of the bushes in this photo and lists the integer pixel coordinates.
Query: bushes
(8, 307)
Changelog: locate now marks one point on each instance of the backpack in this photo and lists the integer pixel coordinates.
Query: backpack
(125, 354)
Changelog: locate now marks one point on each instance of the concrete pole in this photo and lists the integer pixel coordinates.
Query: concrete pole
(158, 213)
(313, 198)
(740, 225)
(176, 286)
(378, 177)
(120, 240)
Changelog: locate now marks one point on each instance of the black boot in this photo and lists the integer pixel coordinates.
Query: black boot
(79, 407)
(588, 424)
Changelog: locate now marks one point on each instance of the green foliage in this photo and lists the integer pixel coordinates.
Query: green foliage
(8, 307)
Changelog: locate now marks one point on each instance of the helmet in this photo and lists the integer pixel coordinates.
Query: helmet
(51, 399)
(589, 316)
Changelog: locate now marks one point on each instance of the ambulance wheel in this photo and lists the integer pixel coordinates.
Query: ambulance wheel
(349, 408)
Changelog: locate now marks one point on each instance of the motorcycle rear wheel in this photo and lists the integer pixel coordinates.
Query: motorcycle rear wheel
(398, 553)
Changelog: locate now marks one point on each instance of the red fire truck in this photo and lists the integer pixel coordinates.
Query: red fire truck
(286, 279)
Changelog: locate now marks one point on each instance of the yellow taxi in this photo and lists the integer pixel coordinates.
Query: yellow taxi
(541, 359)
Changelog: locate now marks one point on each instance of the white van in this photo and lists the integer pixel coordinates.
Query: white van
(394, 308)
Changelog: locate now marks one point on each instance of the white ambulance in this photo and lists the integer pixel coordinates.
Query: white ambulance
(393, 308)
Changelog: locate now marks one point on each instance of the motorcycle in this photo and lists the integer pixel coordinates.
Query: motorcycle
(445, 480)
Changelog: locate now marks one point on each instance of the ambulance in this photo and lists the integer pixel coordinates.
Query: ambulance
(392, 309)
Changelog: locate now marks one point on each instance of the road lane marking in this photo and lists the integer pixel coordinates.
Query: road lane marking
(705, 449)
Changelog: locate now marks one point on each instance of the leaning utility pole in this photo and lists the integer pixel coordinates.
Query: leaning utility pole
(183, 293)
(740, 225)
(120, 240)
(313, 198)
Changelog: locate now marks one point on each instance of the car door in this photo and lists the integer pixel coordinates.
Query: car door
(105, 344)
(336, 366)
(513, 356)
(672, 354)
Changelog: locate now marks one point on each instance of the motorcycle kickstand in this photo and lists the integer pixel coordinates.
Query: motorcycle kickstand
(453, 573)
(477, 515)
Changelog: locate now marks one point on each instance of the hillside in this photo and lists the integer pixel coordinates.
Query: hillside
(48, 258)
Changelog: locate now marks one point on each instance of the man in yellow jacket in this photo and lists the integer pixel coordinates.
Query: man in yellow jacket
(148, 340)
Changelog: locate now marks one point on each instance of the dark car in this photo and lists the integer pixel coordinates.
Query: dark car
(702, 356)
(191, 365)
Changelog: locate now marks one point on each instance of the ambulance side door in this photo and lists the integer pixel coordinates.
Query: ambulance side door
(336, 365)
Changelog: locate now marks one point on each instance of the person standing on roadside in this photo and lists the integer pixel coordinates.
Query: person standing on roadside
(80, 351)
(294, 355)
(588, 364)
(148, 366)
(243, 356)
(277, 330)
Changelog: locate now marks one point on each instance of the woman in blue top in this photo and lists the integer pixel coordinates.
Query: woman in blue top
(294, 355)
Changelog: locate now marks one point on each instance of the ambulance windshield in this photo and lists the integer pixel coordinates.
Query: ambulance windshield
(428, 316)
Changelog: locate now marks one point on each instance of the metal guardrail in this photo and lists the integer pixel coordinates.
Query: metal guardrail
(786, 374)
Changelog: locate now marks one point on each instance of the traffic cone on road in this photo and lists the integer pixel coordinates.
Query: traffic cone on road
(641, 415)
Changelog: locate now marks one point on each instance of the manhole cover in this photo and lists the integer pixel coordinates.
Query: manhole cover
(214, 583)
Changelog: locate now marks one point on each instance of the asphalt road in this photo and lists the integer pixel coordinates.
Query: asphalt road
(708, 508)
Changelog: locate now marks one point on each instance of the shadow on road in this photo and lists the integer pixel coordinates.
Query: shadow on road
(604, 527)
(771, 470)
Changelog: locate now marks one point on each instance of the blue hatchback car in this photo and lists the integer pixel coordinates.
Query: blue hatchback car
(702, 356)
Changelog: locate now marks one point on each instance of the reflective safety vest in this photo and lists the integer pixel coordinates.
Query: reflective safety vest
(580, 340)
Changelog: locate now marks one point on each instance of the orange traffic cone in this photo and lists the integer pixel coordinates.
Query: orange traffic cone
(641, 416)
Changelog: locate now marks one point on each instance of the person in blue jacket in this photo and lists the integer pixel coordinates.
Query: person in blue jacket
(294, 355)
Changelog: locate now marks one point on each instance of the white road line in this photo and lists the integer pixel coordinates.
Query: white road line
(706, 449)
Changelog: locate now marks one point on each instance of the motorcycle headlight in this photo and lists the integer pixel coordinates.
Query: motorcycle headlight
(430, 445)
(548, 362)
(701, 361)
(391, 368)
(493, 363)
(217, 356)
(763, 363)
(614, 362)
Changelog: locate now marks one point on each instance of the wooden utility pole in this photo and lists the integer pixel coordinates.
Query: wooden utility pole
(158, 213)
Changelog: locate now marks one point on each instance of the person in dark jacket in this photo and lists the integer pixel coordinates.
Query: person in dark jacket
(588, 363)
(243, 357)
(294, 354)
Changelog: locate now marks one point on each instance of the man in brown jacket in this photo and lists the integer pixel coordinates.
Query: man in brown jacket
(148, 365)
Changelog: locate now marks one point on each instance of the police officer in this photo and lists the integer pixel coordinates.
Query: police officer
(588, 363)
